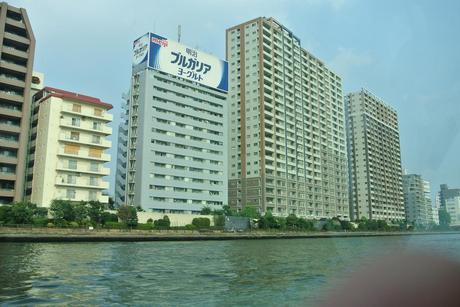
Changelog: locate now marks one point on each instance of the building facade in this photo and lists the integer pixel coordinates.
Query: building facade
(122, 153)
(177, 132)
(17, 45)
(374, 158)
(287, 151)
(417, 200)
(452, 206)
(444, 193)
(68, 140)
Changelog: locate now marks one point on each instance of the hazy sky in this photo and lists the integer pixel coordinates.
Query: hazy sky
(405, 52)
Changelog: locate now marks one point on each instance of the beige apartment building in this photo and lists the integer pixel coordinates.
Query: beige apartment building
(376, 190)
(68, 140)
(287, 150)
(17, 45)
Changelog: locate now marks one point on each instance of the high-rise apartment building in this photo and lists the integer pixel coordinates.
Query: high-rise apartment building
(374, 158)
(417, 200)
(177, 132)
(444, 193)
(17, 45)
(287, 151)
(122, 153)
(68, 140)
(452, 206)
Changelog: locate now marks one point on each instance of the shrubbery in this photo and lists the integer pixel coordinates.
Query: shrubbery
(201, 222)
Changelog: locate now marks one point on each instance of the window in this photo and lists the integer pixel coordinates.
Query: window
(72, 164)
(76, 121)
(98, 112)
(93, 181)
(96, 126)
(74, 136)
(96, 139)
(71, 149)
(76, 108)
(71, 193)
(95, 152)
(94, 166)
(72, 179)
(92, 195)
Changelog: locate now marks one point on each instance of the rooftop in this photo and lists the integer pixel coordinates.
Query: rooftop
(47, 92)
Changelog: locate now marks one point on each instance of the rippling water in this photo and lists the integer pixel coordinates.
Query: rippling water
(208, 273)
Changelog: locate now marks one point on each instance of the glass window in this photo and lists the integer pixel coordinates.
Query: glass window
(71, 193)
(73, 164)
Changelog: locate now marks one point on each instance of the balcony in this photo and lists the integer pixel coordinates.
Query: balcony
(11, 80)
(15, 23)
(85, 126)
(105, 116)
(15, 52)
(83, 182)
(83, 154)
(7, 176)
(85, 140)
(9, 143)
(8, 159)
(104, 171)
(17, 38)
(11, 95)
(10, 112)
(9, 127)
(6, 192)
(13, 66)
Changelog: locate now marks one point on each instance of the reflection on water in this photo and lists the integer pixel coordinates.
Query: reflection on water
(265, 272)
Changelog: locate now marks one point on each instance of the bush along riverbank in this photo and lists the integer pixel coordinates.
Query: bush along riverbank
(93, 215)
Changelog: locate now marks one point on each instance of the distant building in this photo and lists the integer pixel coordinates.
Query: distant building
(374, 158)
(417, 200)
(446, 193)
(66, 148)
(453, 208)
(287, 151)
(122, 153)
(435, 212)
(177, 130)
(17, 43)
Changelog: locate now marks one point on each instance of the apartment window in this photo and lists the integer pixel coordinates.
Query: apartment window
(94, 166)
(76, 108)
(96, 139)
(96, 126)
(92, 195)
(76, 121)
(72, 179)
(93, 181)
(71, 193)
(72, 164)
(98, 112)
(95, 152)
(71, 149)
(74, 136)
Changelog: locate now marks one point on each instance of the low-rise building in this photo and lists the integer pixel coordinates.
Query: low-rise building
(67, 143)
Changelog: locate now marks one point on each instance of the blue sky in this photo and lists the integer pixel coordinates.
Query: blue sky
(405, 52)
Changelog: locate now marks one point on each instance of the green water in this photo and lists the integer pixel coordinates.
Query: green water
(209, 273)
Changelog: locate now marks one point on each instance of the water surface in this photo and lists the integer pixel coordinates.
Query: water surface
(208, 273)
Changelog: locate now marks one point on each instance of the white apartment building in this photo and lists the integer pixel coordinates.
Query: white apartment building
(287, 150)
(417, 200)
(374, 158)
(453, 208)
(177, 131)
(68, 140)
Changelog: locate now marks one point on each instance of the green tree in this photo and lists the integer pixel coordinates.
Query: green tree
(23, 212)
(62, 211)
(128, 215)
(267, 221)
(6, 216)
(206, 211)
(108, 217)
(95, 210)
(201, 222)
(444, 219)
(80, 212)
(228, 211)
(163, 223)
(292, 222)
(250, 211)
(304, 224)
(219, 220)
(111, 205)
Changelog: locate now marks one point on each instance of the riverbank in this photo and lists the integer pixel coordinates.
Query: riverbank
(113, 235)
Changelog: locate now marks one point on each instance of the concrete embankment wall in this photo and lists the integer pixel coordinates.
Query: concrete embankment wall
(112, 235)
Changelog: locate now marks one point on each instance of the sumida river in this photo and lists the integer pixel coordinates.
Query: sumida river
(208, 273)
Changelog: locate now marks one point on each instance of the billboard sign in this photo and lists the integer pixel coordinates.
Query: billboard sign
(159, 53)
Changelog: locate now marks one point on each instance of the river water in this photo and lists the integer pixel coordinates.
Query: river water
(207, 273)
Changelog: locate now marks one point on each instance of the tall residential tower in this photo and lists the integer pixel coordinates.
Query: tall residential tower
(17, 45)
(287, 151)
(417, 200)
(374, 158)
(177, 131)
